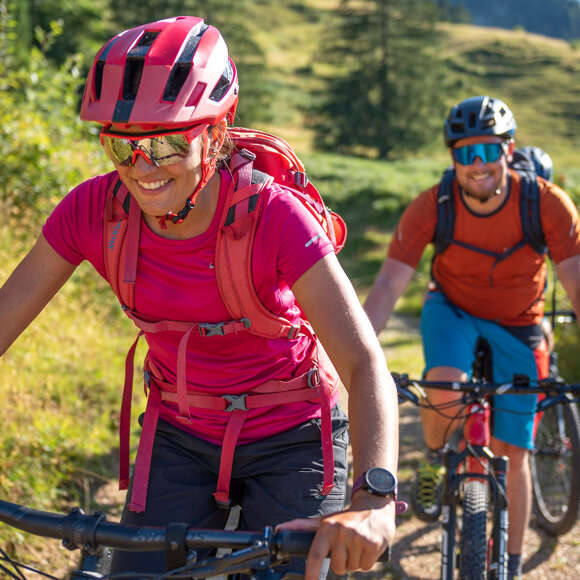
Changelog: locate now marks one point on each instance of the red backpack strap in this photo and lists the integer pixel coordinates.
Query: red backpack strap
(235, 242)
(122, 228)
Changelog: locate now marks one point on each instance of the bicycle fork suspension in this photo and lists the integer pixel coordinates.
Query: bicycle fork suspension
(451, 462)
(499, 556)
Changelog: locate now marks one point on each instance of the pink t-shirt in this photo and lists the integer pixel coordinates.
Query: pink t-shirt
(176, 281)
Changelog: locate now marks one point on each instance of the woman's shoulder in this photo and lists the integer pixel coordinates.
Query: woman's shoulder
(97, 185)
(283, 200)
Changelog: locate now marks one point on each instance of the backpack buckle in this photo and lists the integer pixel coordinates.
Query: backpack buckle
(236, 402)
(300, 179)
(211, 329)
(313, 378)
(247, 154)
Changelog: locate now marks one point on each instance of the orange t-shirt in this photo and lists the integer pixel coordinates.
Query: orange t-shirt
(510, 291)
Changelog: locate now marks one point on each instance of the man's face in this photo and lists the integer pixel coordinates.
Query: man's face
(483, 169)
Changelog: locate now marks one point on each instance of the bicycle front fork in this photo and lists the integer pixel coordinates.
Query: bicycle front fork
(497, 545)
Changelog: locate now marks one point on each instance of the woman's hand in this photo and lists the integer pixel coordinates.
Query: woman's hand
(354, 538)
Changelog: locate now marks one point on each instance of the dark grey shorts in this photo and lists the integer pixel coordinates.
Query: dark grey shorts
(273, 481)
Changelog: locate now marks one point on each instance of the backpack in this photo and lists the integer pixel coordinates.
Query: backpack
(533, 234)
(258, 160)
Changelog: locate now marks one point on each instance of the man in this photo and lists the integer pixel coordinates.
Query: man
(486, 282)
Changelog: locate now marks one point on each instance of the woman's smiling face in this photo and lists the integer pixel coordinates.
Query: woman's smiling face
(161, 189)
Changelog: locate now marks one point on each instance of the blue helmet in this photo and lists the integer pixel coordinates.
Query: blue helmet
(479, 116)
(542, 161)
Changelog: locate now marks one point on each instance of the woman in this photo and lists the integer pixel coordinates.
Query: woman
(163, 94)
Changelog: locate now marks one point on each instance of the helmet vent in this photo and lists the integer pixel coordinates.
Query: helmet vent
(223, 84)
(176, 81)
(132, 78)
(183, 65)
(148, 38)
(99, 78)
(472, 119)
(99, 68)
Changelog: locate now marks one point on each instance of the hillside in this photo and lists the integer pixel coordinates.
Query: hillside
(539, 77)
(557, 18)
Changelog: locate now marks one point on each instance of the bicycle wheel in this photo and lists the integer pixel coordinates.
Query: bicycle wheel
(555, 466)
(473, 542)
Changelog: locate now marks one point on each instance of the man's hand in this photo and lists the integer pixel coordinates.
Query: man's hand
(353, 539)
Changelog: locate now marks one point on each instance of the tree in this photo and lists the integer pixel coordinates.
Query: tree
(67, 26)
(387, 93)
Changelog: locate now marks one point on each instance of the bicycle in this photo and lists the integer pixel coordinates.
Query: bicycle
(257, 554)
(475, 479)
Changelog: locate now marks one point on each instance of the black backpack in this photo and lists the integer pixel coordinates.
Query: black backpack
(529, 212)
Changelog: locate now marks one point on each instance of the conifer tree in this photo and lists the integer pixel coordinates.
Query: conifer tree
(387, 94)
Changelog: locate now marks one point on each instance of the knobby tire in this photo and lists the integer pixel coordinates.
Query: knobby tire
(473, 542)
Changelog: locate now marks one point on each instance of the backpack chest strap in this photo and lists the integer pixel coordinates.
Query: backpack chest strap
(307, 386)
(204, 329)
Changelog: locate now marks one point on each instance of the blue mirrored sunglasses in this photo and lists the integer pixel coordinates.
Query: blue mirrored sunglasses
(487, 152)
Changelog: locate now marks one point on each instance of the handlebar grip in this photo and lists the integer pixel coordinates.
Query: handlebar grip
(297, 543)
(293, 543)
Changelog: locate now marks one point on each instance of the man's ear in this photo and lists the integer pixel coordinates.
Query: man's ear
(452, 158)
(509, 150)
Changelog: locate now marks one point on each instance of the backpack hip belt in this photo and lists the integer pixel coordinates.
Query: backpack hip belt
(310, 385)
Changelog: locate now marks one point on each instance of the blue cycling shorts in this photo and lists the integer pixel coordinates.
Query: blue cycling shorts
(449, 337)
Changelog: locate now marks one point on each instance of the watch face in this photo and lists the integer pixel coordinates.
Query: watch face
(381, 481)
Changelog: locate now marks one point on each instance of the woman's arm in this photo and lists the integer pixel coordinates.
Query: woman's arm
(28, 290)
(358, 535)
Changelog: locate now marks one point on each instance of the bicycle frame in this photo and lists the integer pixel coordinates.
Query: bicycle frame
(468, 458)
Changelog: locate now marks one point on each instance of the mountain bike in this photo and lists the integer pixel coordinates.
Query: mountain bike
(555, 459)
(474, 507)
(256, 554)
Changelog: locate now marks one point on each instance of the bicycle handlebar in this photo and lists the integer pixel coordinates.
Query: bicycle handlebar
(520, 384)
(79, 530)
(555, 389)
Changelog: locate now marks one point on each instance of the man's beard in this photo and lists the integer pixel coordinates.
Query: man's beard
(482, 199)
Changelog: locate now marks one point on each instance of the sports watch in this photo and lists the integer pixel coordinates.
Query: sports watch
(377, 481)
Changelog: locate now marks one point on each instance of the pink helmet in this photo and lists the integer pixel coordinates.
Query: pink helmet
(170, 72)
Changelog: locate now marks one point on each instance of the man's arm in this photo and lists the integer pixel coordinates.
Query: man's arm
(391, 281)
(569, 274)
